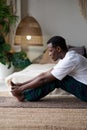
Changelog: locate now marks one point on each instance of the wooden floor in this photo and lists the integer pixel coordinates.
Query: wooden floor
(4, 94)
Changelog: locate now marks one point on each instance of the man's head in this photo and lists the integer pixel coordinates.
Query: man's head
(57, 47)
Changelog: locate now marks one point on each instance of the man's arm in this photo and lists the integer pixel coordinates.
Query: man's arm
(38, 81)
(26, 82)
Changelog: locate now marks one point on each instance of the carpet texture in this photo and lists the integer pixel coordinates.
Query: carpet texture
(43, 119)
(43, 115)
(47, 102)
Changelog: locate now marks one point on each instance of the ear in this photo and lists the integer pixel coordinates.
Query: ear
(59, 49)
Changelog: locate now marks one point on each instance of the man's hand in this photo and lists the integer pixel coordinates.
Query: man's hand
(16, 90)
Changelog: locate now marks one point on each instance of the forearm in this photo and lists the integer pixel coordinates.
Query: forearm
(35, 83)
(38, 81)
(27, 82)
(19, 89)
(35, 78)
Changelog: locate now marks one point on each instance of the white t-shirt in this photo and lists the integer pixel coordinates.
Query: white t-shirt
(73, 64)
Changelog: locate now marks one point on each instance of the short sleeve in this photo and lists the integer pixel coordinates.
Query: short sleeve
(64, 67)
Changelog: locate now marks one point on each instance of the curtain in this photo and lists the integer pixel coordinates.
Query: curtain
(83, 7)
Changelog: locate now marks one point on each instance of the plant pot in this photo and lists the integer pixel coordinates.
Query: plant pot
(4, 71)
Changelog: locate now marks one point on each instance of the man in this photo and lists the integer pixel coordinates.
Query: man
(69, 74)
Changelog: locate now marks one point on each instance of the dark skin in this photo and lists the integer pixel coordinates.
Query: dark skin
(47, 77)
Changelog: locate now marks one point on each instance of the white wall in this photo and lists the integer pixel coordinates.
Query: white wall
(59, 17)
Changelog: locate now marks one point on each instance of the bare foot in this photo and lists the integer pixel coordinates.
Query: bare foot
(20, 97)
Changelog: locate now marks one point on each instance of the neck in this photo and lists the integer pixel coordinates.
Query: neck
(63, 54)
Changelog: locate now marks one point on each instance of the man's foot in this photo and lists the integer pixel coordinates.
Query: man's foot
(20, 98)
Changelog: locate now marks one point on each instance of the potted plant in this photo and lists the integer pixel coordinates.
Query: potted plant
(9, 59)
(20, 60)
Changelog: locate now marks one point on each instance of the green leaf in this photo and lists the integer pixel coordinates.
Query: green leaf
(20, 60)
(7, 18)
(2, 40)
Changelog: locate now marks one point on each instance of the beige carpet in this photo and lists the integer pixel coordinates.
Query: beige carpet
(47, 102)
(42, 118)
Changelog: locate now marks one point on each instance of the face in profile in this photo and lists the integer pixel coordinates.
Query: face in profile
(53, 52)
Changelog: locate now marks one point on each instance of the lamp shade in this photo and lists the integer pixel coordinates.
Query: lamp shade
(28, 32)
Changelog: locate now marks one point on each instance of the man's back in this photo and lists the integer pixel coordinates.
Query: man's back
(72, 64)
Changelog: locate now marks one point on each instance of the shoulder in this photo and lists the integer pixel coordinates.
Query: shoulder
(71, 56)
(69, 60)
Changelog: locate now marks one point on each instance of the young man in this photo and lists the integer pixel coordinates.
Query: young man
(69, 74)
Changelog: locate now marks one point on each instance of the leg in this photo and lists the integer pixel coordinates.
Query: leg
(38, 93)
(20, 96)
(34, 94)
(74, 87)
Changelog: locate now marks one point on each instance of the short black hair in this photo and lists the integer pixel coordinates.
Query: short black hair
(58, 41)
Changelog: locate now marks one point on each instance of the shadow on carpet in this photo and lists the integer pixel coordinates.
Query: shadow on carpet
(47, 102)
